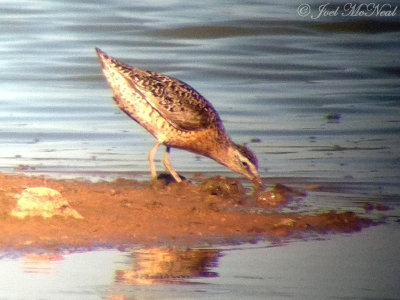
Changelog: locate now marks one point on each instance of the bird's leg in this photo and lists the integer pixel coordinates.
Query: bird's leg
(151, 160)
(167, 165)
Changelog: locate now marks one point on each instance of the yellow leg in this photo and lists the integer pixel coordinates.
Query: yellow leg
(168, 166)
(151, 160)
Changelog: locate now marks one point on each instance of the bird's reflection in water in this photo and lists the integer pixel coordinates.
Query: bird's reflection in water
(169, 266)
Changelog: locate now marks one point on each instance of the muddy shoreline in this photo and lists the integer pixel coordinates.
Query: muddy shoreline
(125, 213)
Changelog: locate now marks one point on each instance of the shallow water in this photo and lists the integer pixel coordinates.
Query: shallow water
(361, 266)
(316, 99)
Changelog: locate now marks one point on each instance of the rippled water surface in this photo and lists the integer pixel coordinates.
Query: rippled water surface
(317, 99)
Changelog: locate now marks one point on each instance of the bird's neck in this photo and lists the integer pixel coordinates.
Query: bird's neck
(223, 152)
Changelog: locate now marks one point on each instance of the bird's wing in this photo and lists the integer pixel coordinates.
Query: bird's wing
(180, 104)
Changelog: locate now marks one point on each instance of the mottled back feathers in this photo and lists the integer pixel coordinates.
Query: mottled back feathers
(181, 105)
(178, 102)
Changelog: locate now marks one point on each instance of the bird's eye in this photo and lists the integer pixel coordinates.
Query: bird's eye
(245, 164)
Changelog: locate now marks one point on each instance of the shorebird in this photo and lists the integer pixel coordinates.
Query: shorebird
(177, 116)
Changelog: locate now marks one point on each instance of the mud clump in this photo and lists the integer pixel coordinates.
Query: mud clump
(226, 188)
(279, 195)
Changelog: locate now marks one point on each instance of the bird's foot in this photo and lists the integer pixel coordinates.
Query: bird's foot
(168, 178)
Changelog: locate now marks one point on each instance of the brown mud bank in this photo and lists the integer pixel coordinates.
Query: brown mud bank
(126, 212)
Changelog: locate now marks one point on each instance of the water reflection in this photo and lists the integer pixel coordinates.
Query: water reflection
(168, 266)
(41, 263)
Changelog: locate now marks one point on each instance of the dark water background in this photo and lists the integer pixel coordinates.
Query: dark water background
(316, 98)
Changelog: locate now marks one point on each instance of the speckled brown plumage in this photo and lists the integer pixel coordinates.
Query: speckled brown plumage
(176, 115)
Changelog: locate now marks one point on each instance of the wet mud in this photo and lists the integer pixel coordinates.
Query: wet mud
(123, 213)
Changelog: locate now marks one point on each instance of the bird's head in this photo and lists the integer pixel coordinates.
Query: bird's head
(242, 160)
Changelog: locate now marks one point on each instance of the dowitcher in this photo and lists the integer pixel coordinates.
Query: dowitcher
(177, 116)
